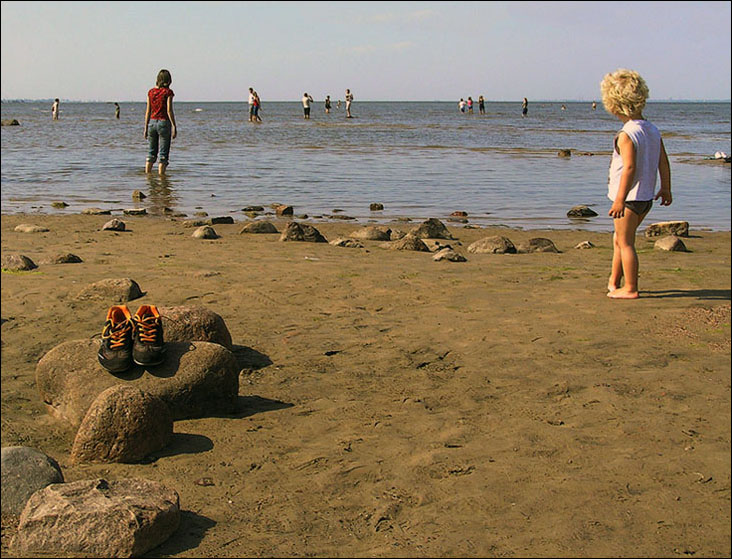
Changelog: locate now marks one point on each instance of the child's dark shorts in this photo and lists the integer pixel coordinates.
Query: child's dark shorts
(641, 207)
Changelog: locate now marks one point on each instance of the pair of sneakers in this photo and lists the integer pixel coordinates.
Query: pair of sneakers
(127, 339)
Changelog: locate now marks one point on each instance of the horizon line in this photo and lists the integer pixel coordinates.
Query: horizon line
(667, 100)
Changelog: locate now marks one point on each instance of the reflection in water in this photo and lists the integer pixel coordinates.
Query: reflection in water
(160, 194)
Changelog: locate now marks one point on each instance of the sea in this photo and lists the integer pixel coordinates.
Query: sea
(418, 159)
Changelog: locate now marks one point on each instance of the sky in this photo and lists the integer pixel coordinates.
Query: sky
(396, 51)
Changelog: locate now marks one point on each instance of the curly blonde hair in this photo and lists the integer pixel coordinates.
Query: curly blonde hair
(624, 92)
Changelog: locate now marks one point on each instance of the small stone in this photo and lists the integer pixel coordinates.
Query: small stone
(376, 206)
(29, 228)
(564, 153)
(17, 263)
(138, 195)
(114, 225)
(205, 232)
(581, 211)
(584, 245)
(59, 205)
(671, 243)
(135, 211)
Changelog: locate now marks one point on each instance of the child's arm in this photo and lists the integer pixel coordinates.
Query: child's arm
(171, 116)
(147, 115)
(626, 147)
(664, 169)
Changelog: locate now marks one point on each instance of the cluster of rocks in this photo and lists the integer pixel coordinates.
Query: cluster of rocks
(123, 417)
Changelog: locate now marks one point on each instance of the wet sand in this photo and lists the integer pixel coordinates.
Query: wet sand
(393, 406)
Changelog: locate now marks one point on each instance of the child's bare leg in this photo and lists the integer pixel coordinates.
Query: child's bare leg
(616, 271)
(625, 229)
(148, 166)
(161, 168)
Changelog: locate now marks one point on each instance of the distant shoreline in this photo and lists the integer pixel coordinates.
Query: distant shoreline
(650, 102)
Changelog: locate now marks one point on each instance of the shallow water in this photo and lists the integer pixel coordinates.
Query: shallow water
(418, 159)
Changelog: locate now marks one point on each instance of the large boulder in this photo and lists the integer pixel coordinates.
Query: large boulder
(496, 244)
(194, 323)
(195, 380)
(98, 518)
(537, 244)
(123, 424)
(17, 263)
(118, 290)
(408, 242)
(678, 228)
(25, 470)
(670, 243)
(372, 233)
(302, 232)
(259, 227)
(431, 229)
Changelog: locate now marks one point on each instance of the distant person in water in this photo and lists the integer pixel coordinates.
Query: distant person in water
(257, 108)
(338, 106)
(461, 105)
(55, 109)
(349, 100)
(525, 107)
(470, 105)
(116, 111)
(481, 105)
(251, 103)
(564, 107)
(306, 100)
(594, 105)
(327, 104)
(639, 157)
(160, 126)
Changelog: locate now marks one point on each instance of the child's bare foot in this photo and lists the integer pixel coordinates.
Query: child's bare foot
(611, 287)
(622, 293)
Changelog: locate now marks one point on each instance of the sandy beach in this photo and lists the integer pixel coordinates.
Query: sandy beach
(393, 406)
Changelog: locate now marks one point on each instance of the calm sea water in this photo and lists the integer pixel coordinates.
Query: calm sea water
(418, 159)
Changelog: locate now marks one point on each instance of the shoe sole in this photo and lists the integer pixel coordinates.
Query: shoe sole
(149, 364)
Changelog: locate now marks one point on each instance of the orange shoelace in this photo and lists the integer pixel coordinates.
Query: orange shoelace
(146, 329)
(116, 333)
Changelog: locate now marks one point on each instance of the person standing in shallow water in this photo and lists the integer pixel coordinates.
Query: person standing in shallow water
(349, 100)
(481, 105)
(116, 111)
(638, 157)
(525, 107)
(160, 126)
(55, 109)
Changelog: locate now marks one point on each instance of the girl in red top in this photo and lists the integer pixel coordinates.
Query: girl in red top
(159, 122)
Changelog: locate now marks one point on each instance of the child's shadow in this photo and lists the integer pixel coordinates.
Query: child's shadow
(709, 294)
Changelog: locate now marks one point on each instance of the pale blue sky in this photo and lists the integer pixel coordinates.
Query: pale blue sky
(112, 51)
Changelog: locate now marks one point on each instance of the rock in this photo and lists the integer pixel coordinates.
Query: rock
(459, 214)
(135, 211)
(25, 470)
(431, 229)
(123, 424)
(670, 243)
(10, 122)
(435, 245)
(347, 243)
(585, 245)
(98, 518)
(397, 234)
(372, 233)
(259, 227)
(138, 195)
(253, 209)
(408, 242)
(114, 225)
(302, 232)
(205, 232)
(95, 211)
(194, 324)
(59, 205)
(339, 216)
(581, 211)
(375, 207)
(196, 379)
(457, 219)
(118, 290)
(448, 254)
(492, 245)
(201, 214)
(283, 209)
(226, 219)
(17, 263)
(564, 153)
(67, 258)
(195, 223)
(536, 244)
(28, 228)
(677, 228)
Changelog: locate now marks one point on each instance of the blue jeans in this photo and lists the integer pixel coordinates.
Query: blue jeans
(158, 130)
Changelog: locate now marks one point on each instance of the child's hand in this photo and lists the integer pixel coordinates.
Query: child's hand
(175, 132)
(665, 196)
(617, 210)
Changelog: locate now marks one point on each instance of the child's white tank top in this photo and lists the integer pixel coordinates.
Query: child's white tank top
(647, 140)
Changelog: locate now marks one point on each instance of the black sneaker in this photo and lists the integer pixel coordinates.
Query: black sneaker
(147, 347)
(115, 353)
